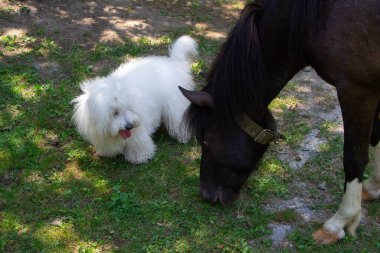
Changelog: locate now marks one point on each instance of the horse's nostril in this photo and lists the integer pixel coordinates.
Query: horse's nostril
(210, 196)
(223, 197)
(216, 197)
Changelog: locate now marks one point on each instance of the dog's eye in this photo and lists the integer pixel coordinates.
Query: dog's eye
(205, 143)
(116, 113)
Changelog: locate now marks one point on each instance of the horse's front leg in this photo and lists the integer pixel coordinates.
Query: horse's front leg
(358, 107)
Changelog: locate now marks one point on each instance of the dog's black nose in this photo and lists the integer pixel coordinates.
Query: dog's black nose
(128, 126)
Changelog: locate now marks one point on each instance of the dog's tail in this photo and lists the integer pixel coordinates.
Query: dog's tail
(184, 49)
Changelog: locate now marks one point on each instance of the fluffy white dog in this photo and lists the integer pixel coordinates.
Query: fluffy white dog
(119, 113)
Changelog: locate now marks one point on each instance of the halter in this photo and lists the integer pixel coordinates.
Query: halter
(259, 134)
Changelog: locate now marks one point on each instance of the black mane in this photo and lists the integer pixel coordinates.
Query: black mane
(236, 79)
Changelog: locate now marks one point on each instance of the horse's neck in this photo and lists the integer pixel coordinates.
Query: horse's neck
(274, 37)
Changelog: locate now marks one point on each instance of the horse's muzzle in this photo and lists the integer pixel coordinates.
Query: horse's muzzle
(224, 197)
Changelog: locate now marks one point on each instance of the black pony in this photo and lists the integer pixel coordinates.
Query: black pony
(272, 41)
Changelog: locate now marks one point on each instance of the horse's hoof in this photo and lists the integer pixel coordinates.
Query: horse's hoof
(322, 236)
(366, 196)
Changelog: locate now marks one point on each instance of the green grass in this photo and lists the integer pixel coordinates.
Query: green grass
(6, 13)
(286, 216)
(56, 196)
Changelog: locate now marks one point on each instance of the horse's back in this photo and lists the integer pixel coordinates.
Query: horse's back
(346, 45)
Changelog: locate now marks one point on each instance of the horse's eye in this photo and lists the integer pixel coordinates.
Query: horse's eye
(205, 143)
(116, 113)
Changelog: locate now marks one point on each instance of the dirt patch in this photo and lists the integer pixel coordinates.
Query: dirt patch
(86, 23)
(319, 105)
(13, 177)
(279, 233)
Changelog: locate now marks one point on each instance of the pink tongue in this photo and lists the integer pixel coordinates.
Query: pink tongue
(125, 133)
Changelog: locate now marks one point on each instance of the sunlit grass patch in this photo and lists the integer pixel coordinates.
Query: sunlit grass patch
(198, 66)
(284, 103)
(232, 5)
(9, 42)
(294, 128)
(181, 245)
(130, 48)
(156, 41)
(26, 45)
(9, 114)
(58, 237)
(270, 179)
(331, 129)
(6, 12)
(46, 47)
(17, 45)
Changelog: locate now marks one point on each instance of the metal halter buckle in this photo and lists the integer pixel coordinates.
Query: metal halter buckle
(260, 135)
(265, 136)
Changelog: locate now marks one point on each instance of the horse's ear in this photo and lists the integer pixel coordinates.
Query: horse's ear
(200, 98)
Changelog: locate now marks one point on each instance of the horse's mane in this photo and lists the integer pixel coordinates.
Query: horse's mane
(237, 76)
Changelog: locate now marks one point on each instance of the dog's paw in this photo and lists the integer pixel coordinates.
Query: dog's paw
(98, 154)
(139, 156)
(184, 138)
(184, 141)
(138, 159)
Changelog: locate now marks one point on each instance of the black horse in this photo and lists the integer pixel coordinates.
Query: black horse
(272, 41)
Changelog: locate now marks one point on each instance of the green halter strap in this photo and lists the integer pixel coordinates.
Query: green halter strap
(259, 134)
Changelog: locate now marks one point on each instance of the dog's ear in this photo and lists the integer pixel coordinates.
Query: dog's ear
(200, 98)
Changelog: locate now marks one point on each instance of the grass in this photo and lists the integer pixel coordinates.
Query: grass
(56, 196)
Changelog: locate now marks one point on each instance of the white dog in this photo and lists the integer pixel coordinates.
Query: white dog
(119, 113)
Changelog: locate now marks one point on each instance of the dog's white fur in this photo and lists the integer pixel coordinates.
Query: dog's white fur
(142, 94)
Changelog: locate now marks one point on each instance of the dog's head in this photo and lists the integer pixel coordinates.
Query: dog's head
(102, 111)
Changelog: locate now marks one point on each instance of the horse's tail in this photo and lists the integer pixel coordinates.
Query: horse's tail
(184, 49)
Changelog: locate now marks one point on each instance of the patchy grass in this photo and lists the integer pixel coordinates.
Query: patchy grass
(56, 196)
(6, 12)
(286, 216)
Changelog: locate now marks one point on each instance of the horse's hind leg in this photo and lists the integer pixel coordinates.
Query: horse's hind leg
(358, 107)
(371, 187)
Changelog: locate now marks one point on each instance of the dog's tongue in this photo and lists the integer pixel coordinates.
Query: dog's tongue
(125, 134)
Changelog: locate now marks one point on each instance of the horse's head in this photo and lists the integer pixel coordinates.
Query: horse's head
(229, 117)
(229, 154)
